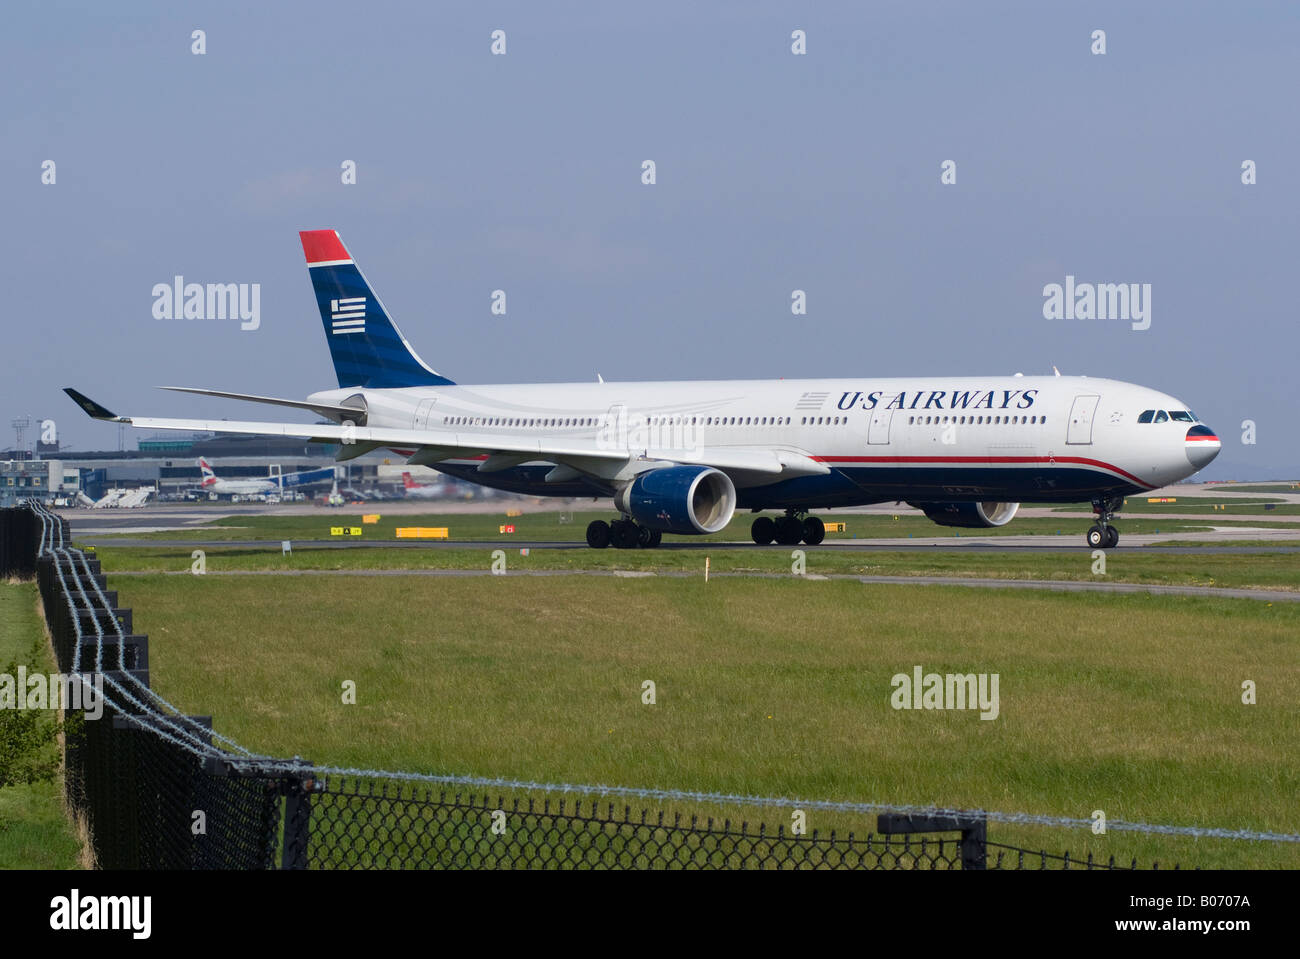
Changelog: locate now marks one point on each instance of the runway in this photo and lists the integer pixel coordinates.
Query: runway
(1011, 544)
(1066, 586)
(162, 518)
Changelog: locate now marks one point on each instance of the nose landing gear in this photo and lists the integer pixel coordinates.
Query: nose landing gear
(1102, 535)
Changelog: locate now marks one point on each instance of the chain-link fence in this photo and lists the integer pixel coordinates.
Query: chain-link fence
(384, 825)
(157, 789)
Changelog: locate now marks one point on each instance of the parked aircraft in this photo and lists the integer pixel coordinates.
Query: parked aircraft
(416, 490)
(272, 485)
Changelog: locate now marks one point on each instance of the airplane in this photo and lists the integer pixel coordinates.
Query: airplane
(683, 457)
(241, 487)
(257, 487)
(416, 490)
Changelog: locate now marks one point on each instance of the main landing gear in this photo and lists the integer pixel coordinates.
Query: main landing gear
(1102, 535)
(788, 530)
(621, 534)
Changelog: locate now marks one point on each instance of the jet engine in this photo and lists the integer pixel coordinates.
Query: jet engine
(680, 499)
(969, 515)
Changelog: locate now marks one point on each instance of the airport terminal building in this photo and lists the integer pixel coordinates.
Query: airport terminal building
(168, 466)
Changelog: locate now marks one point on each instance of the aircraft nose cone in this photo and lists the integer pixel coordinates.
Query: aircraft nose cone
(1202, 446)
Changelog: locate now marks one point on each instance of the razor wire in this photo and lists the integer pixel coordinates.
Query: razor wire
(121, 648)
(776, 802)
(251, 764)
(144, 713)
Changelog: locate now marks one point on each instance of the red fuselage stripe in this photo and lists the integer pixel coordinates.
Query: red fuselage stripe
(979, 460)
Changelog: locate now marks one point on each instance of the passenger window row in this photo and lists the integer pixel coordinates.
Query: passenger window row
(976, 420)
(544, 422)
(510, 421)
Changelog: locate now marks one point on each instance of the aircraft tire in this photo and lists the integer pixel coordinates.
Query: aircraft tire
(624, 535)
(1096, 537)
(814, 530)
(598, 534)
(789, 531)
(763, 531)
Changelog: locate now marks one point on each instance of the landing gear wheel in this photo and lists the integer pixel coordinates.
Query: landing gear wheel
(789, 530)
(624, 534)
(1103, 535)
(763, 531)
(814, 530)
(598, 534)
(648, 538)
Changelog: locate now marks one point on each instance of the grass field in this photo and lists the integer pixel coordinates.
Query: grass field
(34, 832)
(1129, 704)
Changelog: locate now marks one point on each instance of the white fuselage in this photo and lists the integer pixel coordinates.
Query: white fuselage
(239, 487)
(947, 438)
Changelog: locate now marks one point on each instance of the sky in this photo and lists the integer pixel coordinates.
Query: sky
(774, 172)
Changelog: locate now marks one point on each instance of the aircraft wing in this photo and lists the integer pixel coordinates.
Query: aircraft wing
(322, 409)
(431, 446)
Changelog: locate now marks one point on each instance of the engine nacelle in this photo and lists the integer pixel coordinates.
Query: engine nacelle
(680, 499)
(969, 515)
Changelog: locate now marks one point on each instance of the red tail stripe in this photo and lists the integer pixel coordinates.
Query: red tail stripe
(322, 246)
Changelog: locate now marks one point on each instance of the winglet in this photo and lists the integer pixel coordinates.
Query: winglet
(94, 409)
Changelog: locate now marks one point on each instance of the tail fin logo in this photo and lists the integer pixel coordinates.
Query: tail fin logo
(348, 315)
(378, 357)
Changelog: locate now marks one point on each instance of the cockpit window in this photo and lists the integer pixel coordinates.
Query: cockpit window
(1181, 416)
(1162, 416)
(1145, 416)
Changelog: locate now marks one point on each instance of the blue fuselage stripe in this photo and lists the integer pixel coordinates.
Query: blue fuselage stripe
(859, 486)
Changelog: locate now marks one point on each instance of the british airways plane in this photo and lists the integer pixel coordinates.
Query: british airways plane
(682, 457)
(276, 483)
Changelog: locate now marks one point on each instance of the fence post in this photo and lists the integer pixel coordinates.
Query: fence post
(974, 839)
(297, 821)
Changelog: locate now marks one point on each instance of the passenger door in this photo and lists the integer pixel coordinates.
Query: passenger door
(422, 413)
(1079, 432)
(878, 431)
